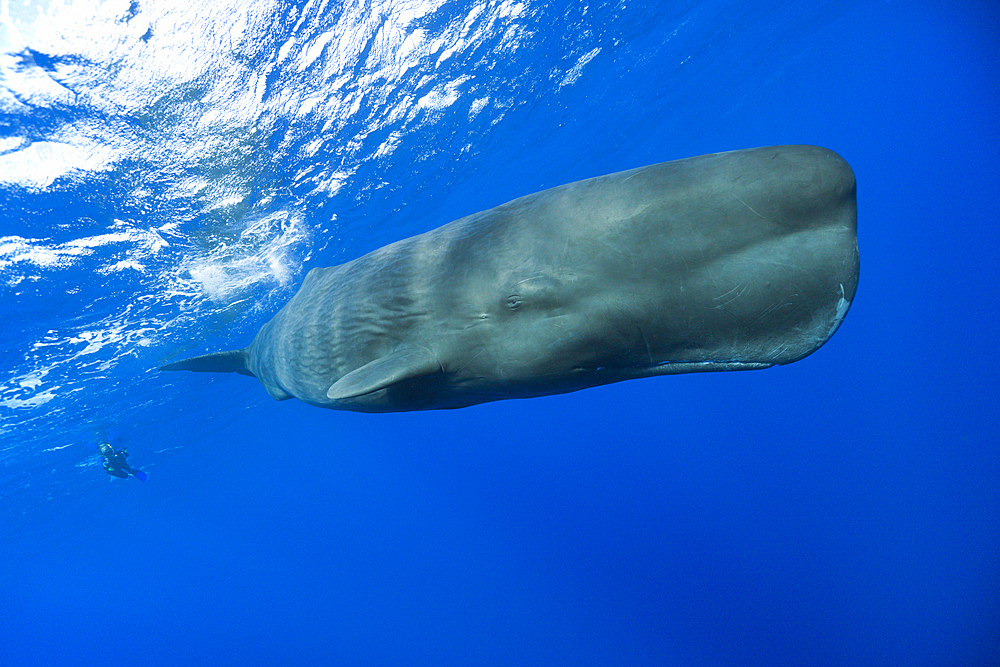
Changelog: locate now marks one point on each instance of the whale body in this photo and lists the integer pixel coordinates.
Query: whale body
(723, 262)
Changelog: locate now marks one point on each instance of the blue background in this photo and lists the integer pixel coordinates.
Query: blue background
(844, 510)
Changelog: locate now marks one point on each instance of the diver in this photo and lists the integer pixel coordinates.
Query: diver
(114, 463)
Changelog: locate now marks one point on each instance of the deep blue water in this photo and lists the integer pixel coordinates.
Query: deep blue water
(167, 177)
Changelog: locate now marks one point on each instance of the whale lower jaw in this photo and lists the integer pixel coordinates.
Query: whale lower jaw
(678, 367)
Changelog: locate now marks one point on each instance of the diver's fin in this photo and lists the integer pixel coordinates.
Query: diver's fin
(403, 363)
(230, 361)
(140, 475)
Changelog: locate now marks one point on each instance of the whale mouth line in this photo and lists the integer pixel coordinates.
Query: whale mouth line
(729, 363)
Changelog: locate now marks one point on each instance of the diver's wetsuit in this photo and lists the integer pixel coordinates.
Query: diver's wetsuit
(114, 463)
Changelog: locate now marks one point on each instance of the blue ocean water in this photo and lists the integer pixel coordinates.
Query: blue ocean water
(169, 173)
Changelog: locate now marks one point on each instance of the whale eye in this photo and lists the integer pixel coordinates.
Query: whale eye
(536, 291)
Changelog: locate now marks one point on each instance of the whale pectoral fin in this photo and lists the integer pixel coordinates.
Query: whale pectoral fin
(404, 363)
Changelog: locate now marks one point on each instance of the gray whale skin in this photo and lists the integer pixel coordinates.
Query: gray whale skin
(724, 262)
